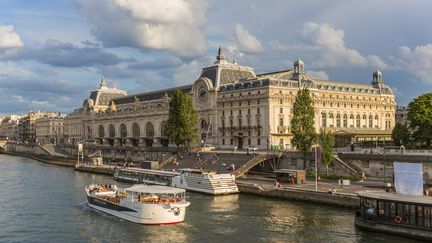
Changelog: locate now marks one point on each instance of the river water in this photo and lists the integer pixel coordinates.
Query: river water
(47, 203)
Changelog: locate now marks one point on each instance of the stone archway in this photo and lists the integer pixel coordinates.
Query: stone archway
(149, 132)
(123, 134)
(163, 138)
(111, 134)
(136, 133)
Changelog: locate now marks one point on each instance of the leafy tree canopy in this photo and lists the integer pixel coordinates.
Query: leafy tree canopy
(420, 119)
(302, 123)
(182, 124)
(401, 134)
(327, 142)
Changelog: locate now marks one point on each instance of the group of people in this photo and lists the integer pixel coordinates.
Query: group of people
(229, 168)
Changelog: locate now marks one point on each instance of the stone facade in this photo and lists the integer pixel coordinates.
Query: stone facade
(237, 107)
(73, 127)
(9, 127)
(402, 114)
(49, 128)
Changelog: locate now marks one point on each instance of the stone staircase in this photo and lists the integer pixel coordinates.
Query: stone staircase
(348, 168)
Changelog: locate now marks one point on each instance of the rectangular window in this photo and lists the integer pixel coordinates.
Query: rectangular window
(249, 111)
(223, 113)
(258, 142)
(249, 141)
(281, 121)
(258, 102)
(258, 110)
(223, 141)
(281, 110)
(231, 141)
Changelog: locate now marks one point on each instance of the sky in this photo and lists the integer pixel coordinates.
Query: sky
(54, 52)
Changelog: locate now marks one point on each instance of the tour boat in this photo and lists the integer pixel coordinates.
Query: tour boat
(196, 180)
(405, 215)
(140, 203)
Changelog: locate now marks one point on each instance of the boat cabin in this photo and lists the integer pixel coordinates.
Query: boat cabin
(155, 194)
(290, 176)
(396, 209)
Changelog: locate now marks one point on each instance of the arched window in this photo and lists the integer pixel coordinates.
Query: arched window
(338, 120)
(123, 130)
(149, 130)
(111, 131)
(203, 125)
(358, 121)
(324, 119)
(370, 121)
(101, 131)
(331, 120)
(364, 120)
(345, 120)
(89, 132)
(135, 130)
(163, 128)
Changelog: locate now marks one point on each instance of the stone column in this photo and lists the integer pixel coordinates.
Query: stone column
(141, 142)
(156, 142)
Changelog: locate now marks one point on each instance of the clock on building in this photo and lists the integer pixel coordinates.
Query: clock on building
(202, 93)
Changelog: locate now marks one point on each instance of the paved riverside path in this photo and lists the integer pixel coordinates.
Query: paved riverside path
(323, 186)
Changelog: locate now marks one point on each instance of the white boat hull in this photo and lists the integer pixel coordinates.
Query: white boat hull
(155, 214)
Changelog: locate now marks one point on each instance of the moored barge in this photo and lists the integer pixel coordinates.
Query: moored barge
(398, 214)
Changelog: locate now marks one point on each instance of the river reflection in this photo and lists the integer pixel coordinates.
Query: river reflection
(45, 203)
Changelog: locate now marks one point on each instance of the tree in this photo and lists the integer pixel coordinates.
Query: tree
(302, 123)
(182, 124)
(420, 120)
(401, 134)
(327, 142)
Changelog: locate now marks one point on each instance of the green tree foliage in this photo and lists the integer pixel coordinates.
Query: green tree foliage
(302, 123)
(327, 142)
(420, 120)
(182, 124)
(401, 134)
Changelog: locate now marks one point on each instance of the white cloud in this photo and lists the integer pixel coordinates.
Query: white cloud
(9, 38)
(334, 53)
(417, 61)
(13, 70)
(318, 75)
(247, 42)
(377, 62)
(174, 25)
(276, 45)
(187, 73)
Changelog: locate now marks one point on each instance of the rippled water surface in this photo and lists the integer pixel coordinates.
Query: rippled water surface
(47, 203)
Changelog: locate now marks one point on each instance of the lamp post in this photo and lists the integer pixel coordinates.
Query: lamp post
(384, 163)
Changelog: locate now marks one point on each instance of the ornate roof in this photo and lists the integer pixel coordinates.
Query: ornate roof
(152, 95)
(222, 72)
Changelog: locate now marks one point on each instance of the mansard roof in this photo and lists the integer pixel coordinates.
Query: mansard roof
(223, 72)
(151, 95)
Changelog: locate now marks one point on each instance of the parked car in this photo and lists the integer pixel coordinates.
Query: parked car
(252, 148)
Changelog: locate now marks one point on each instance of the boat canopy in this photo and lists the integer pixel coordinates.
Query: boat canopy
(154, 189)
(147, 171)
(385, 196)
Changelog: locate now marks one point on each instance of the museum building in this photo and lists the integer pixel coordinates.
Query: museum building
(237, 108)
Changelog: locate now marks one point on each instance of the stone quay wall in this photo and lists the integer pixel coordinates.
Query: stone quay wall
(373, 164)
(339, 199)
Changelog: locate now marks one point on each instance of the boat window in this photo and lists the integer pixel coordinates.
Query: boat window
(427, 216)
